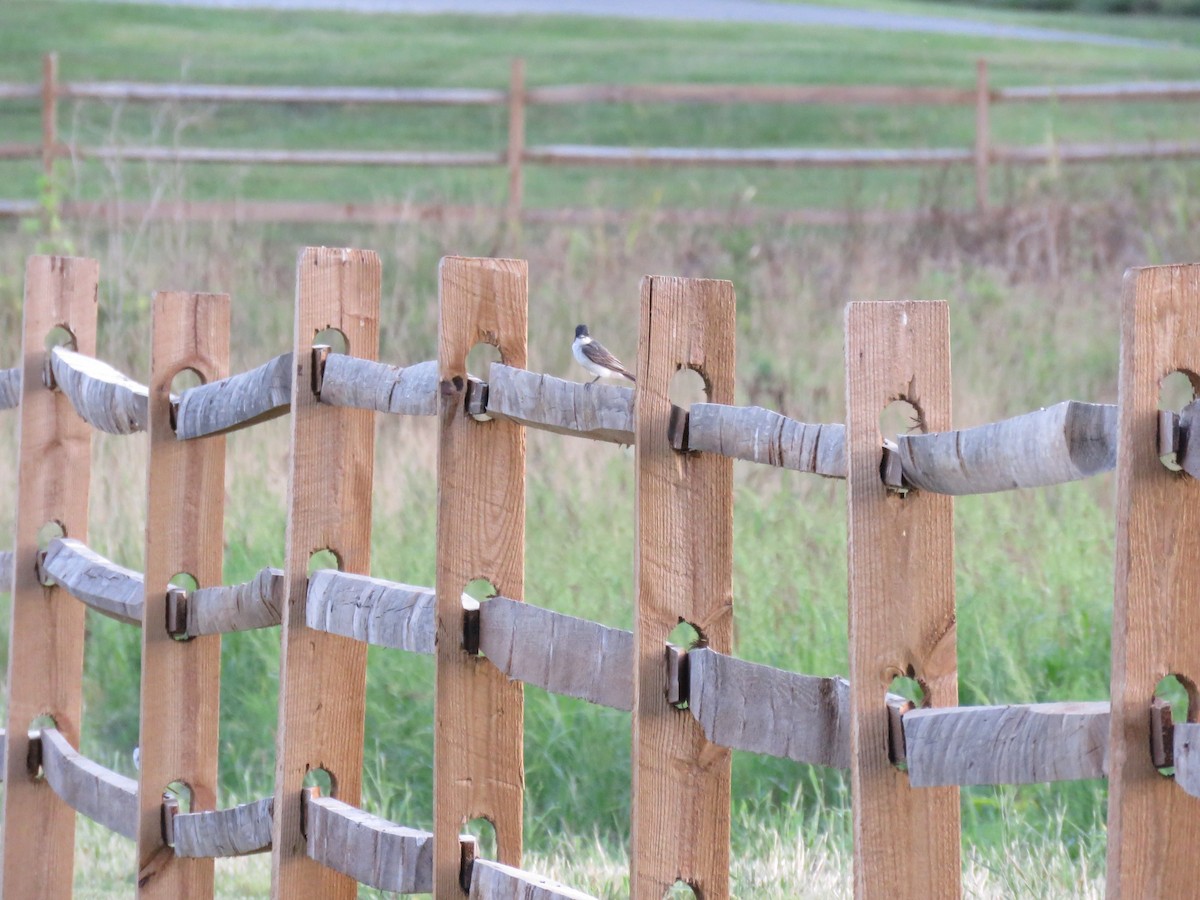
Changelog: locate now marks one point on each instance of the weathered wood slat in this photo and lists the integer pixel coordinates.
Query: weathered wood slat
(87, 787)
(10, 388)
(782, 157)
(382, 613)
(602, 412)
(559, 653)
(104, 398)
(137, 91)
(366, 384)
(764, 436)
(6, 571)
(87, 576)
(235, 156)
(1064, 442)
(1187, 757)
(237, 401)
(752, 707)
(371, 850)
(237, 607)
(1025, 744)
(493, 881)
(237, 831)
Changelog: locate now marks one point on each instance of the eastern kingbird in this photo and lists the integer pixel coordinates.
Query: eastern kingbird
(592, 356)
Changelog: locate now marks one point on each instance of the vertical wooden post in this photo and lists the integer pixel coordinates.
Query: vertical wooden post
(45, 661)
(49, 113)
(322, 677)
(983, 134)
(684, 572)
(479, 767)
(902, 618)
(516, 141)
(1153, 826)
(181, 680)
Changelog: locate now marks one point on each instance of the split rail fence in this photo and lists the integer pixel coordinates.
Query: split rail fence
(690, 706)
(518, 154)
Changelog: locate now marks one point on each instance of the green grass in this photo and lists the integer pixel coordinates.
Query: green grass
(109, 41)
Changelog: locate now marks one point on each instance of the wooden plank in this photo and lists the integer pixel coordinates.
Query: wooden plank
(601, 412)
(17, 90)
(789, 94)
(1025, 744)
(1152, 825)
(368, 849)
(493, 881)
(87, 787)
(1087, 153)
(239, 607)
(87, 576)
(237, 831)
(1136, 90)
(516, 141)
(238, 401)
(365, 384)
(684, 571)
(764, 436)
(236, 157)
(1187, 757)
(185, 505)
(902, 616)
(147, 92)
(103, 397)
(983, 134)
(479, 768)
(49, 114)
(373, 611)
(746, 706)
(45, 662)
(10, 388)
(780, 157)
(322, 695)
(1064, 442)
(558, 653)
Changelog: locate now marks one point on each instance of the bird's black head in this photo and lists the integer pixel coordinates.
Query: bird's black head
(581, 331)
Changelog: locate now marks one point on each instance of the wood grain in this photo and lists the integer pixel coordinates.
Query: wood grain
(237, 831)
(1023, 744)
(1064, 442)
(368, 849)
(558, 653)
(764, 436)
(87, 787)
(238, 401)
(322, 677)
(373, 611)
(902, 616)
(1187, 757)
(45, 662)
(102, 396)
(493, 881)
(237, 607)
(1153, 826)
(479, 767)
(87, 576)
(364, 384)
(185, 505)
(747, 706)
(10, 388)
(684, 566)
(602, 412)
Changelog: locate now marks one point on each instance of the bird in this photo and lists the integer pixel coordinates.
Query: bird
(591, 354)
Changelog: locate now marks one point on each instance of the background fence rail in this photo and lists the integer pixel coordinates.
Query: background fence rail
(518, 153)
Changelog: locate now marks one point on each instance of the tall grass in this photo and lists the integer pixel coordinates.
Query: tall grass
(1033, 296)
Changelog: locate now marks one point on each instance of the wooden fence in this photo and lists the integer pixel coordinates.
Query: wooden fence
(690, 706)
(517, 155)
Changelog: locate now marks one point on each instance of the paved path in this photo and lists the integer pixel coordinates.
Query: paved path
(696, 10)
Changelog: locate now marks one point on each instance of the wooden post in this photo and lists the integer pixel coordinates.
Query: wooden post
(322, 677)
(516, 141)
(479, 767)
(684, 572)
(45, 661)
(181, 680)
(1153, 826)
(902, 618)
(49, 113)
(983, 134)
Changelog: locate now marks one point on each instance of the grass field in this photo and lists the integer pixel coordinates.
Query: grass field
(1033, 310)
